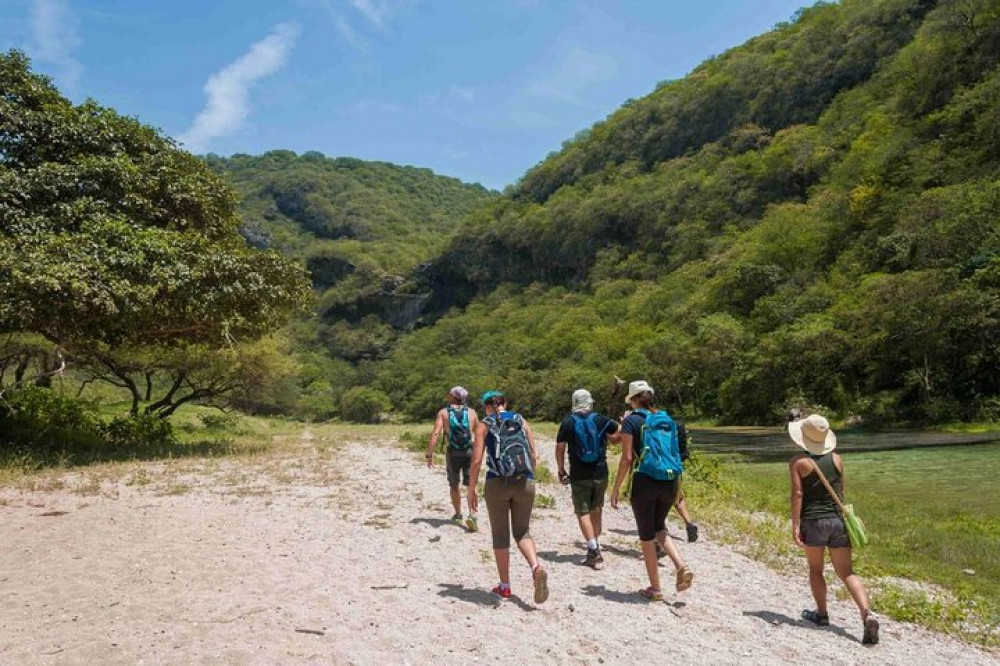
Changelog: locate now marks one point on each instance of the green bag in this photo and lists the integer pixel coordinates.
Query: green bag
(855, 527)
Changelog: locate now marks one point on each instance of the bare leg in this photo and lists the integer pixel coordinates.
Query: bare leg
(668, 546)
(502, 556)
(587, 525)
(649, 559)
(681, 507)
(456, 500)
(596, 517)
(841, 558)
(527, 548)
(814, 556)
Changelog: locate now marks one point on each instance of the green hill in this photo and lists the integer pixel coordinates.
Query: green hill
(812, 218)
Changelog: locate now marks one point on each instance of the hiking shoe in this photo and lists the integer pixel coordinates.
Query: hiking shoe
(594, 558)
(870, 636)
(501, 591)
(684, 578)
(457, 519)
(541, 578)
(651, 594)
(692, 530)
(471, 523)
(820, 619)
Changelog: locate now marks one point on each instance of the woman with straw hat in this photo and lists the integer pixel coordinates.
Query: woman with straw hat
(816, 523)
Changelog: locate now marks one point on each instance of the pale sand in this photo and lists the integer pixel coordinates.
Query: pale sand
(346, 556)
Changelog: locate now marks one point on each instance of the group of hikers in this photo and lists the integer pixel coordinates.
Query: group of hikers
(654, 448)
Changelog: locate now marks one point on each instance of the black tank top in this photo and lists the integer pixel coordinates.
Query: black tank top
(816, 501)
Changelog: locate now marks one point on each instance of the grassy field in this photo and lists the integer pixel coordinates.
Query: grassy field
(933, 515)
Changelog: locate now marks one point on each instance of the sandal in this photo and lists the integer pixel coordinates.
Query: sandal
(684, 578)
(652, 594)
(817, 618)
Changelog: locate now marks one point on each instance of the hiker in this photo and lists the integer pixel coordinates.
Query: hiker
(585, 433)
(458, 423)
(816, 523)
(680, 506)
(509, 445)
(649, 437)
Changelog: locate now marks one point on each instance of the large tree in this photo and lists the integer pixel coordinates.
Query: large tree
(111, 234)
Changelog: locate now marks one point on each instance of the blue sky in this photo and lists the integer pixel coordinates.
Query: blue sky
(477, 89)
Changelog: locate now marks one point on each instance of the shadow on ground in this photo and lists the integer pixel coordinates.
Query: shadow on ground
(779, 619)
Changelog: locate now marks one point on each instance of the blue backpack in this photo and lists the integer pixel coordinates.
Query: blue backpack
(589, 441)
(459, 435)
(660, 457)
(511, 453)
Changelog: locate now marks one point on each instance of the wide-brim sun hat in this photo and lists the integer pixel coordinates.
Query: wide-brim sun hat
(637, 387)
(813, 434)
(582, 400)
(491, 394)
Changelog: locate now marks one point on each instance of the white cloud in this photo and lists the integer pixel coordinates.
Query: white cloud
(54, 36)
(463, 94)
(228, 89)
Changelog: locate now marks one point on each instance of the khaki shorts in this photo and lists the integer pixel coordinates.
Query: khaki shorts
(509, 503)
(588, 495)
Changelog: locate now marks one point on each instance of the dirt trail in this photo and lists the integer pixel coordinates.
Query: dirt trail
(344, 555)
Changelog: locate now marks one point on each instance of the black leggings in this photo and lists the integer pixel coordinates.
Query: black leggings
(651, 501)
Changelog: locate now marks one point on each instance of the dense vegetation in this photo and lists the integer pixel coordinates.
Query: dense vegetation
(359, 228)
(121, 254)
(810, 218)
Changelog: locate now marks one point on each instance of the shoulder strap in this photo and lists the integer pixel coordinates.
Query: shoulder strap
(829, 488)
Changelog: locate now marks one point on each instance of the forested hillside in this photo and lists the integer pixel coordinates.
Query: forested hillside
(811, 218)
(359, 228)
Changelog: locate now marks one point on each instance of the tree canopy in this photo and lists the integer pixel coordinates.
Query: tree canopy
(111, 234)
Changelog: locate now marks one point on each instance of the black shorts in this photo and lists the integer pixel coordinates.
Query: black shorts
(651, 501)
(828, 532)
(458, 462)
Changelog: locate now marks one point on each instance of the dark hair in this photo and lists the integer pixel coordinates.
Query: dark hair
(645, 399)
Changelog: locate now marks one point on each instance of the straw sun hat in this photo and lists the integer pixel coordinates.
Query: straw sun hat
(813, 434)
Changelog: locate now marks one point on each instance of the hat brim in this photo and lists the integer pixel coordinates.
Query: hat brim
(816, 448)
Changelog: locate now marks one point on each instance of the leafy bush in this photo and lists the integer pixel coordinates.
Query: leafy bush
(221, 421)
(136, 433)
(36, 417)
(364, 405)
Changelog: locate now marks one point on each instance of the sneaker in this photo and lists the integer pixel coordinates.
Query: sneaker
(457, 519)
(541, 578)
(471, 523)
(870, 636)
(684, 578)
(501, 591)
(692, 530)
(594, 558)
(651, 594)
(817, 618)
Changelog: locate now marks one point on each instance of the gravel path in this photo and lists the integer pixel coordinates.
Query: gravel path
(343, 555)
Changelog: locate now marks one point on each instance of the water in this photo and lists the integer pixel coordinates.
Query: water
(773, 444)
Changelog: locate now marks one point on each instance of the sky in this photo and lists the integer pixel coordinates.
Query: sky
(481, 90)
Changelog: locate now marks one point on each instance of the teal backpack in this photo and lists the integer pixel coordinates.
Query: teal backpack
(459, 435)
(660, 456)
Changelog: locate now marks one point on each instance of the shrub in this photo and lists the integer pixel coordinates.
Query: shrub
(37, 417)
(364, 405)
(137, 433)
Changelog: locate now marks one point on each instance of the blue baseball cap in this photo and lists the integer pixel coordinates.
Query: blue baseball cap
(491, 394)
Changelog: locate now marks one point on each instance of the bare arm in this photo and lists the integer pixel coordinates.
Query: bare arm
(531, 443)
(796, 497)
(623, 467)
(435, 436)
(478, 447)
(561, 459)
